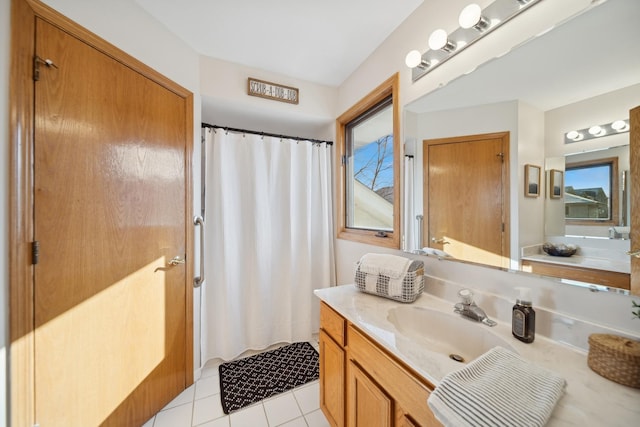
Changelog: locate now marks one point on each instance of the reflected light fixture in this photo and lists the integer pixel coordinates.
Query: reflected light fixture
(597, 131)
(471, 17)
(440, 40)
(620, 125)
(574, 135)
(444, 46)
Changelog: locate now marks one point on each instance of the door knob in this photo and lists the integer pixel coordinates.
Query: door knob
(634, 254)
(439, 241)
(176, 260)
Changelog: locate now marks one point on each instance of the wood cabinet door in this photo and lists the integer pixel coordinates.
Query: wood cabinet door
(332, 380)
(109, 215)
(369, 405)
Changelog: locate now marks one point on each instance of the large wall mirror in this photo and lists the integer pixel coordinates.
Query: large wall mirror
(583, 72)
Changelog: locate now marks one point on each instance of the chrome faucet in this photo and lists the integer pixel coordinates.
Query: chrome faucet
(468, 308)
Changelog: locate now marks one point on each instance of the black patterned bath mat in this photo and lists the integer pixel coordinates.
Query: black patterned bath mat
(251, 379)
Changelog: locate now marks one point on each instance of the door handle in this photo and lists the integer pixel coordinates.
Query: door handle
(197, 281)
(634, 254)
(439, 241)
(176, 260)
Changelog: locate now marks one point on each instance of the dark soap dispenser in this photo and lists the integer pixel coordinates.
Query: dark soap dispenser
(523, 321)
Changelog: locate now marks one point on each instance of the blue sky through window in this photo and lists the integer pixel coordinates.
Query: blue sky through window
(374, 161)
(590, 177)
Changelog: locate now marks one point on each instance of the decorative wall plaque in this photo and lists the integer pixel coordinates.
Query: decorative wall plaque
(274, 91)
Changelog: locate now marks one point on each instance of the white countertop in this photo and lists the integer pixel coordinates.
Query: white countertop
(590, 400)
(585, 257)
(583, 261)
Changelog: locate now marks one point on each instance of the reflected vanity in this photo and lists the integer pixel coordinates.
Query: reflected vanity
(557, 89)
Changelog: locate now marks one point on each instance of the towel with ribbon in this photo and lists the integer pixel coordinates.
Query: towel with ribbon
(392, 266)
(497, 389)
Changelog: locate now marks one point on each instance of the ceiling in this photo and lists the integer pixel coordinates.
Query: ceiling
(317, 41)
(595, 53)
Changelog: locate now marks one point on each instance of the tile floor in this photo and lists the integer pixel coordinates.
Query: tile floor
(200, 406)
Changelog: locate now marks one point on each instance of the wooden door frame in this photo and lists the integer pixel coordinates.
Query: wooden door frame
(21, 139)
(506, 141)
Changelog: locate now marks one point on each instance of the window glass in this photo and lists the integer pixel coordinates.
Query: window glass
(369, 165)
(589, 192)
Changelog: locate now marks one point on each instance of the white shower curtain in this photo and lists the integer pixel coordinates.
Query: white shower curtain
(268, 242)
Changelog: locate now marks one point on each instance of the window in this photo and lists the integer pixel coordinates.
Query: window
(369, 154)
(591, 192)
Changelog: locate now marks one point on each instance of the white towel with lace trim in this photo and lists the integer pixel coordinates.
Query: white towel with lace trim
(497, 389)
(393, 266)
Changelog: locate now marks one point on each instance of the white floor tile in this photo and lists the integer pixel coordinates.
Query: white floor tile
(207, 409)
(316, 419)
(210, 369)
(185, 397)
(281, 409)
(253, 416)
(220, 422)
(308, 397)
(180, 416)
(298, 422)
(150, 422)
(207, 386)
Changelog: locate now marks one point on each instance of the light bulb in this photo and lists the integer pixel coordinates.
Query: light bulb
(619, 125)
(574, 135)
(596, 130)
(413, 59)
(439, 40)
(471, 16)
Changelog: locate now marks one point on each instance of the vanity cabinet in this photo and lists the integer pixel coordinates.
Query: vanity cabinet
(362, 385)
(332, 365)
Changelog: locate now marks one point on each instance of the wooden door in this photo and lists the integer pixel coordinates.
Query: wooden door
(110, 200)
(634, 140)
(466, 200)
(369, 406)
(332, 373)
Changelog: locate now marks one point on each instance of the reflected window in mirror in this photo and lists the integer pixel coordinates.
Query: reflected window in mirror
(591, 192)
(369, 153)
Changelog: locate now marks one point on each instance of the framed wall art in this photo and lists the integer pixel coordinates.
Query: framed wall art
(556, 184)
(532, 180)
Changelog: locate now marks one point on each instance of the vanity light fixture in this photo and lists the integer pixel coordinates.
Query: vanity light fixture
(475, 23)
(471, 17)
(620, 125)
(414, 59)
(440, 40)
(597, 131)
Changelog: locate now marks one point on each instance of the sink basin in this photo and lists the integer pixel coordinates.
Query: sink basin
(444, 333)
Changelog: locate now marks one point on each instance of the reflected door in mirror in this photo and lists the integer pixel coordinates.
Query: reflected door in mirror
(466, 200)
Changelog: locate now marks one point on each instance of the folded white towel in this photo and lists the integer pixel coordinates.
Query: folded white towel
(388, 265)
(497, 389)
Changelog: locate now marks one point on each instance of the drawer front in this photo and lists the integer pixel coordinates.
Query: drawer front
(408, 391)
(332, 323)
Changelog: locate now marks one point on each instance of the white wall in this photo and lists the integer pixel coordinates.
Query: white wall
(530, 210)
(5, 15)
(225, 102)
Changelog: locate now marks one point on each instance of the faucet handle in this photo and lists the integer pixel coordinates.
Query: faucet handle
(466, 296)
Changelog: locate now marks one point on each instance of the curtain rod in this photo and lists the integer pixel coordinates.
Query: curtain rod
(295, 138)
